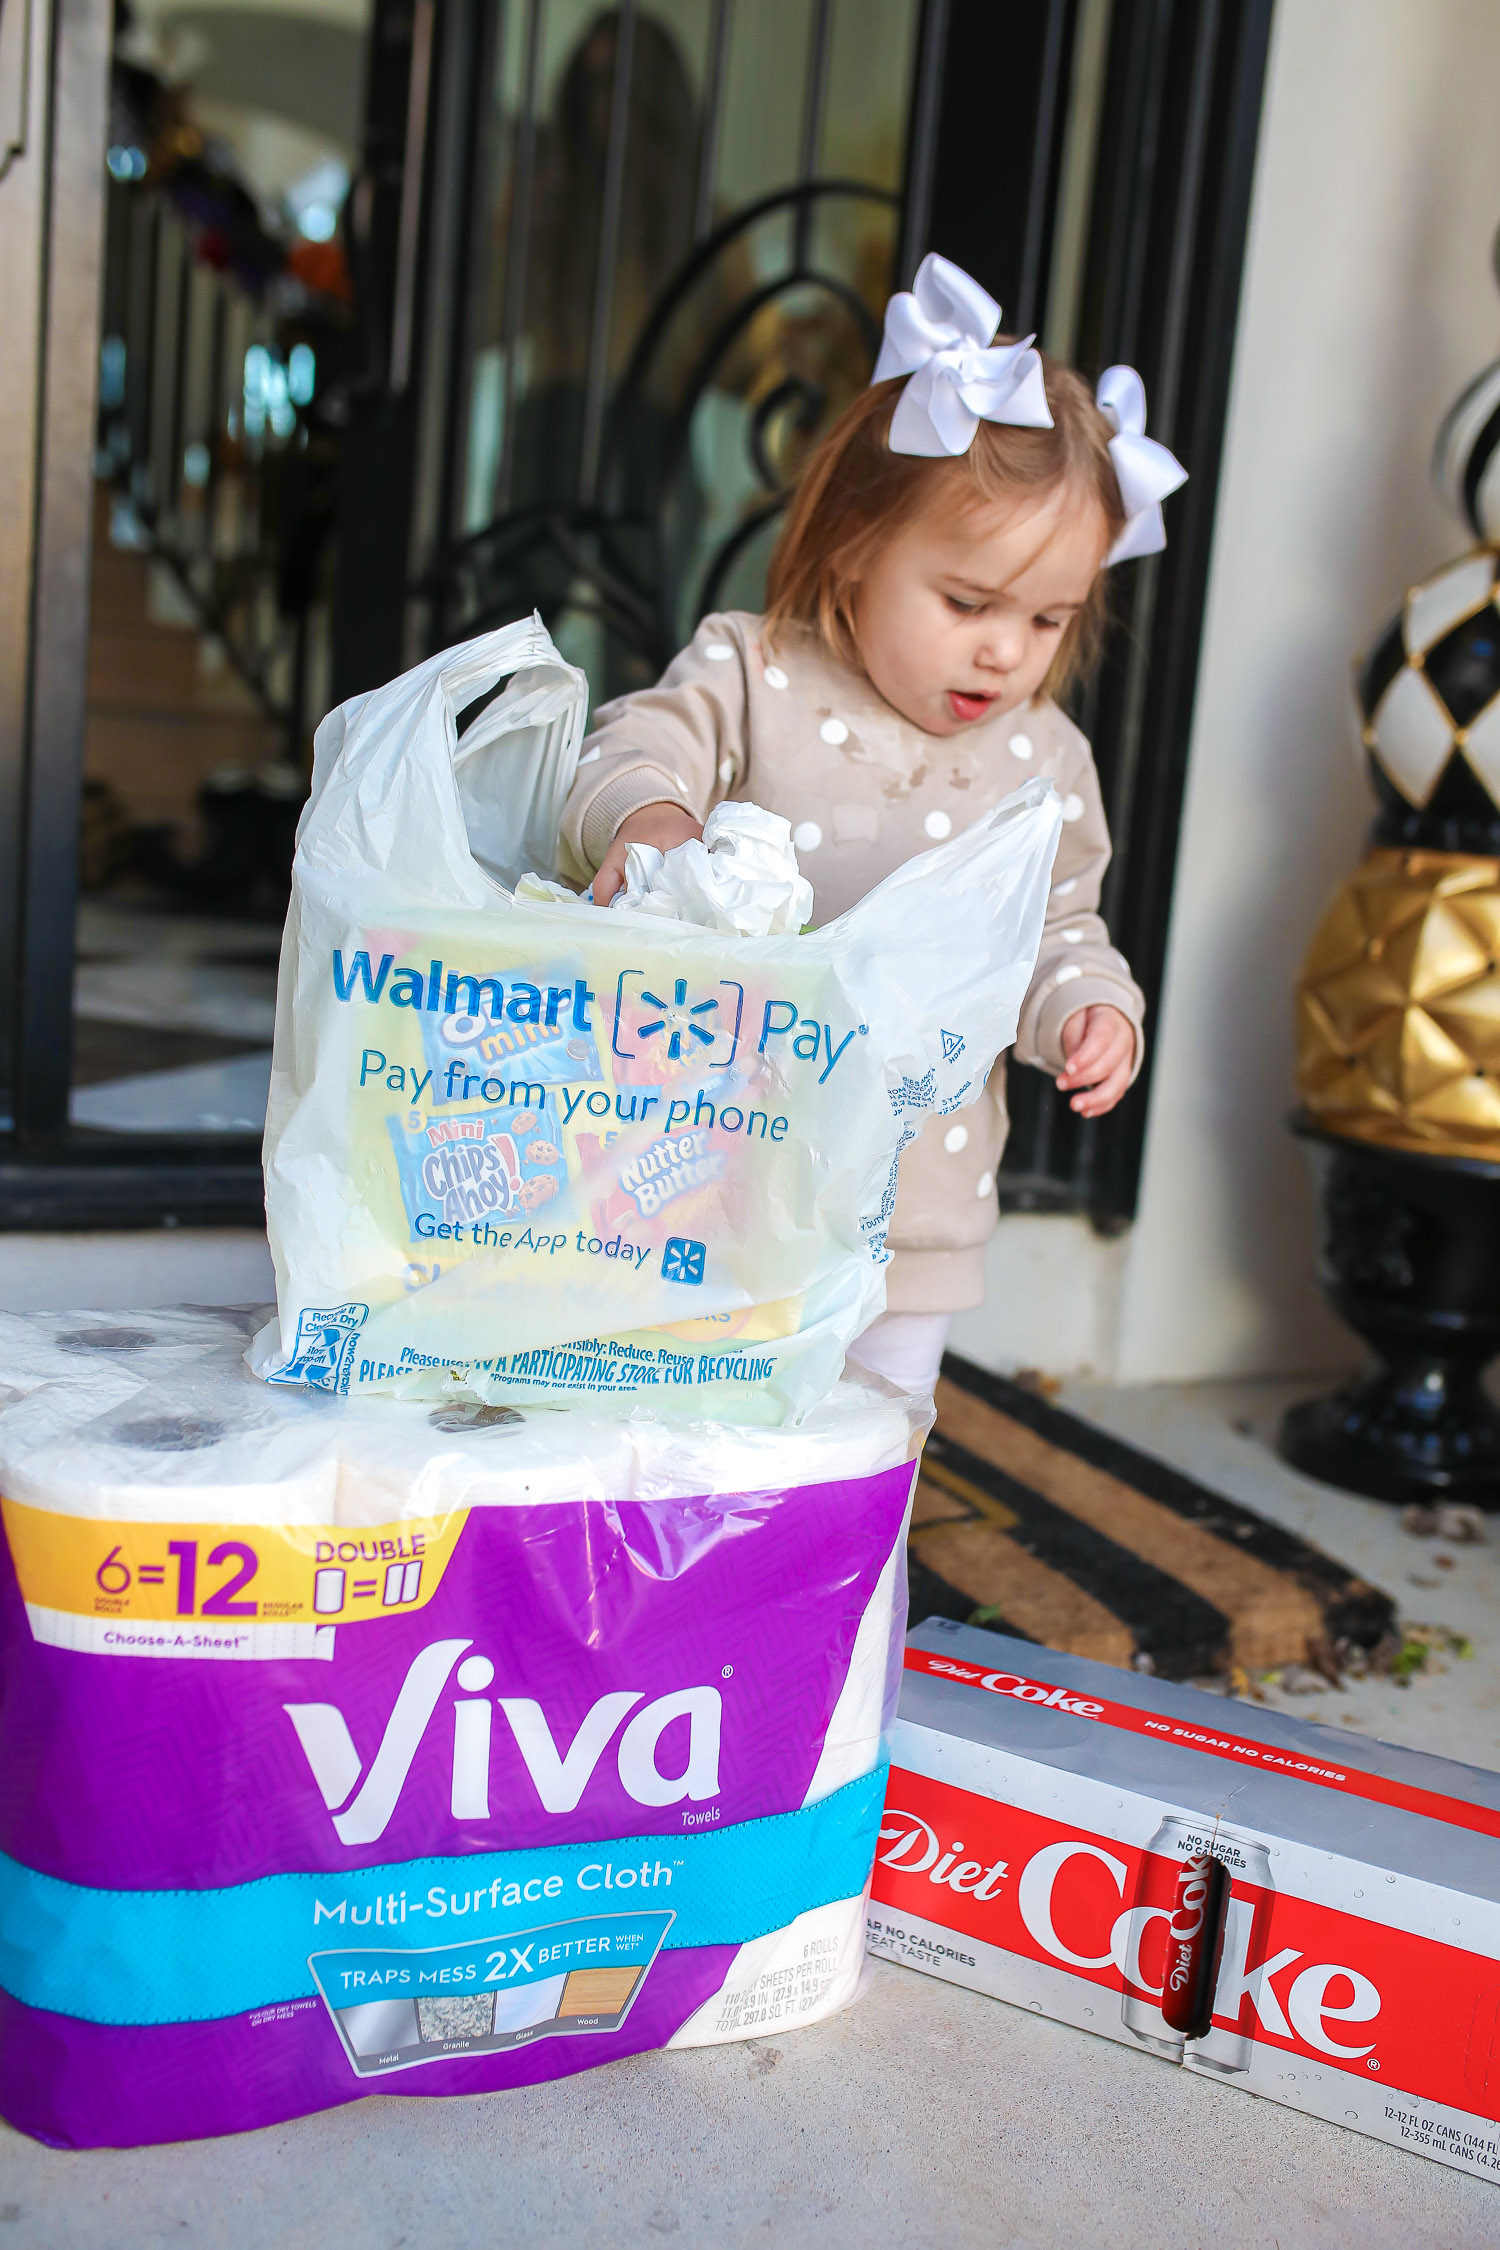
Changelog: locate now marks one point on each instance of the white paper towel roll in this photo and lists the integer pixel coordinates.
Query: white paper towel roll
(215, 1449)
(786, 1979)
(68, 1347)
(89, 1431)
(860, 1428)
(38, 1409)
(407, 1457)
(811, 1969)
(867, 1700)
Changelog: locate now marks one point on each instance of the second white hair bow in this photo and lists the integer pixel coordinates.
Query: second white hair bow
(1145, 471)
(938, 333)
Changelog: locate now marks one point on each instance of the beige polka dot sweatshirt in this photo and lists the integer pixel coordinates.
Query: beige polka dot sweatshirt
(794, 730)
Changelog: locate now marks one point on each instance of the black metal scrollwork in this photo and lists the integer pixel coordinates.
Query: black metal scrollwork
(611, 557)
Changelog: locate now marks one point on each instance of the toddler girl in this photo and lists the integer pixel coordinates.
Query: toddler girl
(935, 587)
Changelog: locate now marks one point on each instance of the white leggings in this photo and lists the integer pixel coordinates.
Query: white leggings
(904, 1347)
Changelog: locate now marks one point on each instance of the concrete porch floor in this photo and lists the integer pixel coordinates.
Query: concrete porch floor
(924, 2115)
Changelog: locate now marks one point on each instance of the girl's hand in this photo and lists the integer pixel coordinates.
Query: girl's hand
(1099, 1043)
(661, 825)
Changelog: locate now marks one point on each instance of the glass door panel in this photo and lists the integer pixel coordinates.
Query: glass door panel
(227, 332)
(689, 234)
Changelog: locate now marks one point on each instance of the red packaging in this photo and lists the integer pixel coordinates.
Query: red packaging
(1042, 1823)
(1195, 1943)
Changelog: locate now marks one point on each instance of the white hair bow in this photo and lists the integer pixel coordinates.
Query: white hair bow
(1145, 471)
(938, 333)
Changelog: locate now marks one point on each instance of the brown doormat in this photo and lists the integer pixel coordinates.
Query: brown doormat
(1037, 1524)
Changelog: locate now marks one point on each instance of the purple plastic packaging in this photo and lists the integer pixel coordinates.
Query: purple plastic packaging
(604, 1774)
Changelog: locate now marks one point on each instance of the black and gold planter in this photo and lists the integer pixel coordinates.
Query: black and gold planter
(1398, 1064)
(1410, 1258)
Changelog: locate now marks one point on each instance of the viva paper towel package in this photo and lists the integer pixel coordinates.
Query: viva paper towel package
(369, 1745)
(520, 1148)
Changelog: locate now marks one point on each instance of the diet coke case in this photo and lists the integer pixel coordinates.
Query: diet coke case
(1306, 1913)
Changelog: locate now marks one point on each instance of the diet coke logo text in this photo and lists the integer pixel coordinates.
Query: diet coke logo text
(1013, 1880)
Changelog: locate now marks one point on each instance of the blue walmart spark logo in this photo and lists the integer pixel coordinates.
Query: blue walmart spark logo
(688, 1027)
(678, 1020)
(682, 1260)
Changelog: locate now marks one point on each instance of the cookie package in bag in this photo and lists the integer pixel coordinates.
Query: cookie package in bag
(520, 1147)
(371, 1746)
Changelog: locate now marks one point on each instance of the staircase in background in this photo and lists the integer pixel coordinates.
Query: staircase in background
(162, 714)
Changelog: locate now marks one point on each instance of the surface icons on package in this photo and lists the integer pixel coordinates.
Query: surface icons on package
(489, 1994)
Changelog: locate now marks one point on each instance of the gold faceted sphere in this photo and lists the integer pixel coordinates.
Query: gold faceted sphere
(1398, 1006)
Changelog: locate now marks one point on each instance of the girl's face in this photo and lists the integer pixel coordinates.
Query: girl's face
(960, 612)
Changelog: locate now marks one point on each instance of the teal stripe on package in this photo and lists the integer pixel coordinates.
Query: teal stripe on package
(156, 1957)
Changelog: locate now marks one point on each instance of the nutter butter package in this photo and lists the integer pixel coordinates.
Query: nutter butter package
(1301, 1912)
(378, 1746)
(522, 1148)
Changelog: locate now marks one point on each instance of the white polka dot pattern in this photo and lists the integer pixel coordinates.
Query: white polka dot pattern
(718, 652)
(956, 1137)
(938, 825)
(1067, 973)
(1072, 807)
(1021, 746)
(1072, 937)
(1065, 890)
(775, 677)
(807, 835)
(834, 730)
(726, 769)
(986, 1185)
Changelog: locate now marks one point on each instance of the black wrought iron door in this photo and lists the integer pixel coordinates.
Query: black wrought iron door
(669, 256)
(1168, 96)
(603, 276)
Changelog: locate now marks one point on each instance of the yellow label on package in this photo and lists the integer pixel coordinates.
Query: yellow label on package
(193, 1589)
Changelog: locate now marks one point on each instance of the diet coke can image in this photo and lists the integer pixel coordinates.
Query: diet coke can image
(1203, 1900)
(1195, 1942)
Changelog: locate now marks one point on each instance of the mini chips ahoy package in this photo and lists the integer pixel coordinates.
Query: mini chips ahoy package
(365, 1746)
(520, 1147)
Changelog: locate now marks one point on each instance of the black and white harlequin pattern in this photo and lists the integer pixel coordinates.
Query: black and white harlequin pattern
(1466, 458)
(1429, 694)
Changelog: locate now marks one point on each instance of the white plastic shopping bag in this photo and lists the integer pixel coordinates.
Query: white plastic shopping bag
(400, 797)
(533, 1148)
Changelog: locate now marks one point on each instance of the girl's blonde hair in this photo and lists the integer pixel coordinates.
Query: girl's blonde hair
(855, 491)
